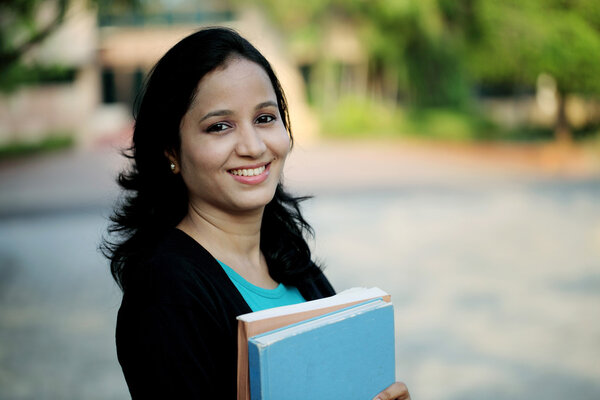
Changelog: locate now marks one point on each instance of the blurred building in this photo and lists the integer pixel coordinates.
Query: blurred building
(110, 50)
(132, 39)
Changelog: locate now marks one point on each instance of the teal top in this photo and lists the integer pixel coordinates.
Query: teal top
(259, 298)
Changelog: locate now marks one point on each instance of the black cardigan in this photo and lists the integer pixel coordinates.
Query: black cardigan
(177, 329)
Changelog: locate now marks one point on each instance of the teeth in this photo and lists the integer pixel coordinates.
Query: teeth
(249, 172)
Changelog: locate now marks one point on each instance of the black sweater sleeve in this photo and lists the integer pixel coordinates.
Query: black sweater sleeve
(177, 333)
(166, 353)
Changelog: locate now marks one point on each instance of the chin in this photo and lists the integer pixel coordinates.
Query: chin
(254, 204)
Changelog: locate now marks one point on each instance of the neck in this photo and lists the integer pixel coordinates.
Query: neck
(231, 239)
(232, 233)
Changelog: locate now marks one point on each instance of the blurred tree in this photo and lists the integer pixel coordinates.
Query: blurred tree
(26, 23)
(410, 44)
(416, 39)
(519, 41)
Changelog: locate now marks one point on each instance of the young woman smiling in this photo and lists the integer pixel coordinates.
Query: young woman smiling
(206, 231)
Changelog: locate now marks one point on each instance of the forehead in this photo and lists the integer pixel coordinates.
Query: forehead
(237, 81)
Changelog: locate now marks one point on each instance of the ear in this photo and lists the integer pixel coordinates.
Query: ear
(173, 162)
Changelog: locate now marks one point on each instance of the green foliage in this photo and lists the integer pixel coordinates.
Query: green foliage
(355, 116)
(358, 117)
(406, 36)
(449, 125)
(571, 54)
(440, 52)
(521, 40)
(436, 75)
(54, 141)
(22, 75)
(414, 35)
(500, 40)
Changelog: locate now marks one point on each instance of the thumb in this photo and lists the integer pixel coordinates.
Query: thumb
(397, 391)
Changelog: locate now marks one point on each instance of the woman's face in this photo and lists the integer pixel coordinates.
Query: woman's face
(233, 140)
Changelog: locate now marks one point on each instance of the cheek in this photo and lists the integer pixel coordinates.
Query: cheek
(204, 153)
(197, 164)
(282, 145)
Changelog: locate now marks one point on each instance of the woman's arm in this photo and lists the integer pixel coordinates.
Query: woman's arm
(169, 351)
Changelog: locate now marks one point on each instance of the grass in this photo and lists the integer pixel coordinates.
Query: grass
(448, 125)
(361, 118)
(52, 142)
(355, 117)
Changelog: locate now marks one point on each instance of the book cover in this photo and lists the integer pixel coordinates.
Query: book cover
(255, 323)
(347, 354)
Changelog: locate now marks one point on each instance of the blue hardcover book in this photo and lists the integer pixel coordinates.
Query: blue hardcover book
(347, 354)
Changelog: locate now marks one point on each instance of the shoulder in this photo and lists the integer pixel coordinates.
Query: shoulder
(178, 270)
(178, 257)
(315, 285)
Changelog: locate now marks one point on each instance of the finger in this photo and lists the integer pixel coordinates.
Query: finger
(396, 391)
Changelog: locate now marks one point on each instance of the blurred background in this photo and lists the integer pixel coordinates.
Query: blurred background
(452, 146)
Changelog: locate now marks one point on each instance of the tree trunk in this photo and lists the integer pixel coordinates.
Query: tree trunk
(562, 129)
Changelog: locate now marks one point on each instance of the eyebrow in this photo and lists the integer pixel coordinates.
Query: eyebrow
(221, 113)
(217, 113)
(264, 104)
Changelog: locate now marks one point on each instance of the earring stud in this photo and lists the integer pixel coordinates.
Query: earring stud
(172, 166)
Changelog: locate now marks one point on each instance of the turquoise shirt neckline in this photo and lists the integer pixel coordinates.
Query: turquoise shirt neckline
(259, 298)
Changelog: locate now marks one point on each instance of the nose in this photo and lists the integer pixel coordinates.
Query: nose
(250, 142)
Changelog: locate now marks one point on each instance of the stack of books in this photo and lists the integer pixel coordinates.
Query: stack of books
(337, 347)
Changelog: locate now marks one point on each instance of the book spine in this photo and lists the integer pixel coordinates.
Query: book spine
(255, 369)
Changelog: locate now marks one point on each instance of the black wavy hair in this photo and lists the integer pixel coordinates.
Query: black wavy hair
(155, 200)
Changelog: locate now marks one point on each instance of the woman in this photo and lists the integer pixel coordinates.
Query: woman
(206, 231)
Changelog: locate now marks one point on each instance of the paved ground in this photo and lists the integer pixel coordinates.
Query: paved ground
(492, 259)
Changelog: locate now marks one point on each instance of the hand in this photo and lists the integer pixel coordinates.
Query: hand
(396, 391)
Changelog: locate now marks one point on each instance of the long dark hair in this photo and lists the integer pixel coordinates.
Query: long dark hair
(156, 200)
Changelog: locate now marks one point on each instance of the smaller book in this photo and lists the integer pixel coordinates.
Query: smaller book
(256, 323)
(347, 354)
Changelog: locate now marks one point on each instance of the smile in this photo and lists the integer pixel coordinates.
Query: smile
(248, 172)
(251, 176)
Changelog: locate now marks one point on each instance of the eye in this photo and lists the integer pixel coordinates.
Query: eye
(218, 127)
(265, 119)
